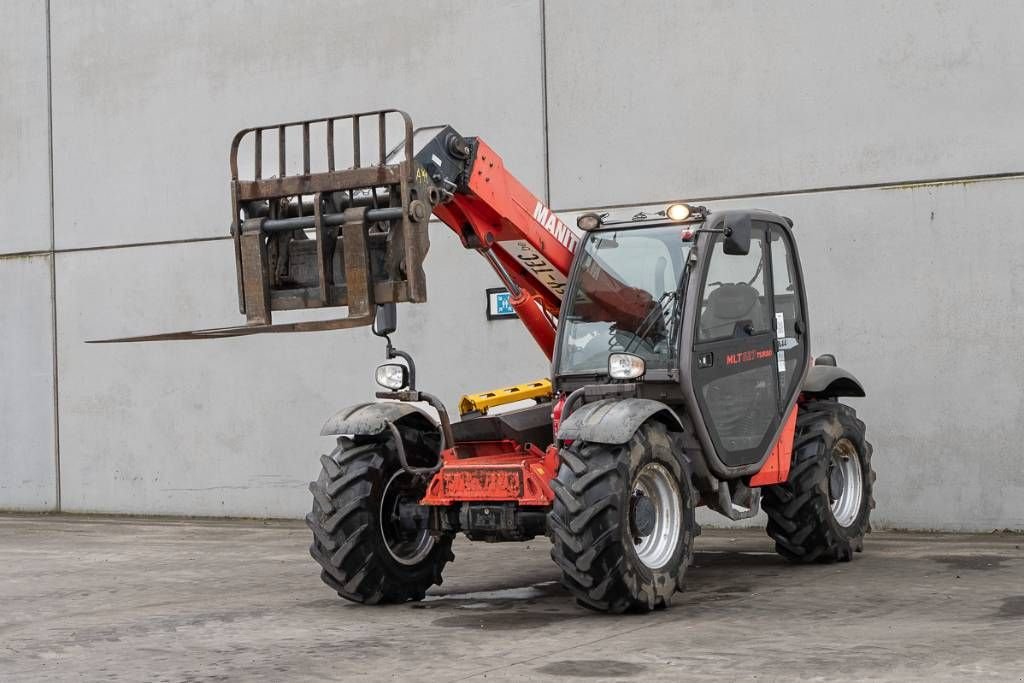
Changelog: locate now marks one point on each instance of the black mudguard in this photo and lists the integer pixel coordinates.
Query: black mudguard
(369, 419)
(615, 420)
(828, 381)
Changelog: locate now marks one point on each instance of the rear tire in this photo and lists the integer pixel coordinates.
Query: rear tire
(598, 520)
(364, 556)
(823, 511)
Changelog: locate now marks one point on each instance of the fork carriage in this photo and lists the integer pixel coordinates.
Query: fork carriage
(343, 231)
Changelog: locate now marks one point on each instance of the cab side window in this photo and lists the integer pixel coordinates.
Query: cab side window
(734, 292)
(789, 345)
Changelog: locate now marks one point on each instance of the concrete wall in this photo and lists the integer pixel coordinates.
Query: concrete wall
(915, 288)
(28, 469)
(736, 98)
(27, 432)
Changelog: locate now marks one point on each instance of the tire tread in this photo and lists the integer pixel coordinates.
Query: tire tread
(799, 519)
(342, 525)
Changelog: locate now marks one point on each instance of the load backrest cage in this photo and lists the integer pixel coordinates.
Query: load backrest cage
(341, 232)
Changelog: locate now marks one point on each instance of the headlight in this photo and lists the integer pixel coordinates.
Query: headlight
(625, 366)
(392, 376)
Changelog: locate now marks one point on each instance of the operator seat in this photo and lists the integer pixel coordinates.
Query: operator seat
(728, 304)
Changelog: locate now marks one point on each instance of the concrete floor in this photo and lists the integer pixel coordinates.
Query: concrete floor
(148, 599)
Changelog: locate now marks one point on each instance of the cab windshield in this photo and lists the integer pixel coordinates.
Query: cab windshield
(623, 299)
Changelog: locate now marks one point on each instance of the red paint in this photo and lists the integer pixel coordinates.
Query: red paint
(494, 471)
(556, 414)
(776, 468)
(498, 209)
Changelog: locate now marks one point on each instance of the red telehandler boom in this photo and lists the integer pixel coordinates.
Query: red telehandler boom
(681, 370)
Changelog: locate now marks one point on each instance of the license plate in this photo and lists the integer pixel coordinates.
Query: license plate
(483, 483)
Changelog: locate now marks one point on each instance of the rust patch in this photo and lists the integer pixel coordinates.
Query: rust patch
(916, 185)
(489, 482)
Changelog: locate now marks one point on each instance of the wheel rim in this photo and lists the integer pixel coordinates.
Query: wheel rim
(406, 549)
(845, 483)
(655, 494)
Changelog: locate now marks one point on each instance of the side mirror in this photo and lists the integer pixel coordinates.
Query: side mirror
(385, 322)
(737, 236)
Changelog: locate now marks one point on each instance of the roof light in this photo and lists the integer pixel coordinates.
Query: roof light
(678, 212)
(588, 222)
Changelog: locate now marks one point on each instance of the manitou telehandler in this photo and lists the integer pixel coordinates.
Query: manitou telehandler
(681, 370)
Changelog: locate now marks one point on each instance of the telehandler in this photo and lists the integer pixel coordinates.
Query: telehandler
(681, 369)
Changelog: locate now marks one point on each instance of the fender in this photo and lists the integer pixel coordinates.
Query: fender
(615, 420)
(828, 381)
(369, 419)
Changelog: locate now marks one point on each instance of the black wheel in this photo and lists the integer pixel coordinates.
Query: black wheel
(622, 522)
(366, 555)
(823, 510)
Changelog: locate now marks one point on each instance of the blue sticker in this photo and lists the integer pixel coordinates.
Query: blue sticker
(499, 304)
(503, 304)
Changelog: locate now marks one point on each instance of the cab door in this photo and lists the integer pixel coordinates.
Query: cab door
(734, 361)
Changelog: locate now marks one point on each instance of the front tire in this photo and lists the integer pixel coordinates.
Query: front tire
(365, 556)
(622, 522)
(822, 512)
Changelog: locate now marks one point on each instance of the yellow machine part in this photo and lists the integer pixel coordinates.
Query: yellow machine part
(484, 401)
